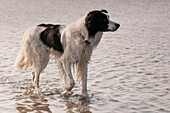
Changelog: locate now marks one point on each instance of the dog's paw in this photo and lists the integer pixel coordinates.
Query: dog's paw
(84, 95)
(37, 91)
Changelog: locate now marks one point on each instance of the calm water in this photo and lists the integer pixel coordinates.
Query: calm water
(129, 71)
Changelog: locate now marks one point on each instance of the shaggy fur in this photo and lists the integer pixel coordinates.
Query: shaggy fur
(72, 46)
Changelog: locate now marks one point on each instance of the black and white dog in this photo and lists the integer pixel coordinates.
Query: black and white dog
(72, 46)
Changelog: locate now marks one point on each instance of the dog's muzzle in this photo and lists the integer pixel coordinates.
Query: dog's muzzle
(113, 26)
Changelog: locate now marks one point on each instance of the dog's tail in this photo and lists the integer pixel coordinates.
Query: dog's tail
(24, 57)
(22, 61)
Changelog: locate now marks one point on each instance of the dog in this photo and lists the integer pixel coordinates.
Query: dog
(71, 45)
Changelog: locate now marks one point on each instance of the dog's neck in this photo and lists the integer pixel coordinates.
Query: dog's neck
(91, 31)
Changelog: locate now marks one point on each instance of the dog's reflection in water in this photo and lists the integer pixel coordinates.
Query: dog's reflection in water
(77, 106)
(34, 107)
(37, 103)
(34, 103)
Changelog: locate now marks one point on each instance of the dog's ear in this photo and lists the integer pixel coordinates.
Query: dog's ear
(89, 19)
(104, 11)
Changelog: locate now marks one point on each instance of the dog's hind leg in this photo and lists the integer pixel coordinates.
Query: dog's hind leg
(70, 81)
(38, 67)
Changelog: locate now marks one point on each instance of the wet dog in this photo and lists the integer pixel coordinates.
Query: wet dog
(72, 47)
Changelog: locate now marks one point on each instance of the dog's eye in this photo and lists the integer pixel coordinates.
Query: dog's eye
(104, 20)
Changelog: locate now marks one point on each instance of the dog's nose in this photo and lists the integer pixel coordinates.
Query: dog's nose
(117, 25)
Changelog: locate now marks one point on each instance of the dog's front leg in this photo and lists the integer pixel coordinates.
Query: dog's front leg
(70, 81)
(82, 71)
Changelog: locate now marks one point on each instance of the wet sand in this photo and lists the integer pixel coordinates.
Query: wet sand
(129, 71)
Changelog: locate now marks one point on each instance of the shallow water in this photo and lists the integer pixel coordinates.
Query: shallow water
(129, 71)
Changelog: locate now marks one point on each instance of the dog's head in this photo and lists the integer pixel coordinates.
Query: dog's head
(99, 21)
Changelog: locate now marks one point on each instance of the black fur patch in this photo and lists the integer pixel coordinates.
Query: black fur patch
(105, 11)
(96, 21)
(51, 36)
(47, 25)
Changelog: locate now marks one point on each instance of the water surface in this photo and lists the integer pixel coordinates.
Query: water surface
(129, 71)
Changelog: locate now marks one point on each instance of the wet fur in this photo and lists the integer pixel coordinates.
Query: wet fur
(72, 47)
